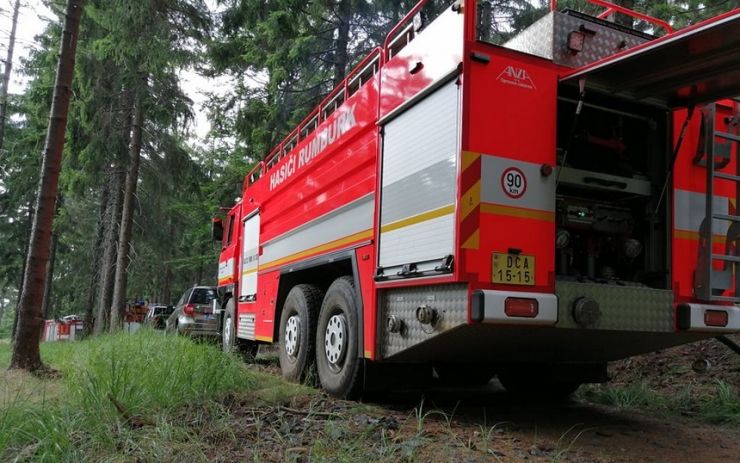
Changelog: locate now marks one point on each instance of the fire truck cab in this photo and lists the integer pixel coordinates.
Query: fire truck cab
(463, 206)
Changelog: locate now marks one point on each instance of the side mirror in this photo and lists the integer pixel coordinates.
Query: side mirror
(217, 229)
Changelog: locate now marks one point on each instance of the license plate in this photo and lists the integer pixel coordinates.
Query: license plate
(513, 269)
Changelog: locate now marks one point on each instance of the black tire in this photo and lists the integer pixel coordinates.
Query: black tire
(536, 387)
(337, 344)
(298, 336)
(229, 342)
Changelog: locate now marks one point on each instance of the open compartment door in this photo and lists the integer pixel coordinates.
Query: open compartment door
(696, 65)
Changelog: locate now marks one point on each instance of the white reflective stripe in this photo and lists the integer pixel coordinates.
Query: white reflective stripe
(689, 209)
(494, 308)
(226, 269)
(696, 319)
(538, 191)
(344, 222)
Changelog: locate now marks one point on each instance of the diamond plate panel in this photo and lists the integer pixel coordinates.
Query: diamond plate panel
(450, 302)
(623, 308)
(245, 329)
(548, 38)
(536, 39)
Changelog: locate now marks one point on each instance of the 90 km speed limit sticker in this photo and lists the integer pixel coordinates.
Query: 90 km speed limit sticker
(514, 182)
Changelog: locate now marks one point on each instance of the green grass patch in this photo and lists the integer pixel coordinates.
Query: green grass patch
(630, 396)
(151, 377)
(720, 406)
(724, 407)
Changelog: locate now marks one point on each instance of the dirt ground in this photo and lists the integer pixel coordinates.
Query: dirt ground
(487, 424)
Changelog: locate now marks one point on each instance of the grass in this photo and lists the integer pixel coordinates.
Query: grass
(720, 406)
(149, 397)
(626, 397)
(151, 377)
(724, 407)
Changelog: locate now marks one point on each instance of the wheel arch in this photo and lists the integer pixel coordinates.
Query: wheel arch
(225, 293)
(320, 271)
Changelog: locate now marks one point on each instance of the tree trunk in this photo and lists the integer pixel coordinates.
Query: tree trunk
(344, 14)
(166, 291)
(110, 243)
(97, 251)
(48, 282)
(118, 304)
(22, 278)
(6, 75)
(26, 353)
(2, 307)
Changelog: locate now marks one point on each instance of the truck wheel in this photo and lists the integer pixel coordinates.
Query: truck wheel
(337, 358)
(229, 341)
(298, 331)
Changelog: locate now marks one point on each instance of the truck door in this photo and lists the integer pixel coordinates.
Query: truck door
(250, 258)
(419, 185)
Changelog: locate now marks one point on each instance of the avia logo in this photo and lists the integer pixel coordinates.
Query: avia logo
(518, 77)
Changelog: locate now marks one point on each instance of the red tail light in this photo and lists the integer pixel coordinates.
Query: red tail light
(715, 318)
(520, 307)
(189, 309)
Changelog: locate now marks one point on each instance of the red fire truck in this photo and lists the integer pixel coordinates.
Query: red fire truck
(534, 209)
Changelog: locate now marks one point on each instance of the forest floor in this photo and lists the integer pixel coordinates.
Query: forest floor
(663, 407)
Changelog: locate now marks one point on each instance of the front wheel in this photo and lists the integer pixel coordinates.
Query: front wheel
(337, 344)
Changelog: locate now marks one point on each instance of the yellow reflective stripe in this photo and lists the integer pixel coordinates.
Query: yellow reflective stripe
(338, 243)
(468, 158)
(470, 200)
(418, 218)
(694, 235)
(249, 271)
(473, 242)
(519, 212)
(263, 338)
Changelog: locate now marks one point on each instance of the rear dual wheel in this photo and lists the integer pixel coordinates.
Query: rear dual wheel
(322, 330)
(298, 331)
(337, 344)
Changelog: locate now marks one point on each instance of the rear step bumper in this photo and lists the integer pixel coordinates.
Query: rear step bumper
(708, 318)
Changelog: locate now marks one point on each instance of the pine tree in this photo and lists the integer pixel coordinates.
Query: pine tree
(30, 322)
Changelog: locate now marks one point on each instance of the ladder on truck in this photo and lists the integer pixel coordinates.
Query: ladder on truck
(715, 152)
